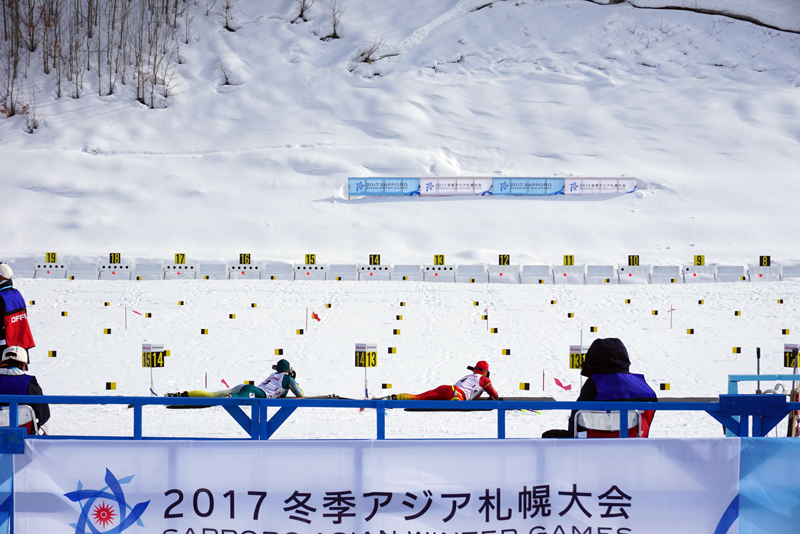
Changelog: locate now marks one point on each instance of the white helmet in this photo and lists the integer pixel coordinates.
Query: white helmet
(15, 353)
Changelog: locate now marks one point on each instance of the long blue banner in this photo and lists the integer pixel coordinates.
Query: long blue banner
(472, 186)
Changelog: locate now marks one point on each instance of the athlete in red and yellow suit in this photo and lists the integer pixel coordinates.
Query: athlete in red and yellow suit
(468, 388)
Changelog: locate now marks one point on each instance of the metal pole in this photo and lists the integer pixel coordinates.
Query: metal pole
(581, 354)
(794, 371)
(758, 369)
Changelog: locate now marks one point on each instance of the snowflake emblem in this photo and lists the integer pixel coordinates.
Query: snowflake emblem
(102, 513)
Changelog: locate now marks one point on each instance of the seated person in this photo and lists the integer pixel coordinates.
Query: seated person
(606, 366)
(14, 381)
(468, 388)
(276, 385)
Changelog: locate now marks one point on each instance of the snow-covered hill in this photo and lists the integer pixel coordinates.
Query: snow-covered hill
(702, 109)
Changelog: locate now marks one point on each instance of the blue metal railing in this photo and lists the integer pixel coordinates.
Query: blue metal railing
(766, 411)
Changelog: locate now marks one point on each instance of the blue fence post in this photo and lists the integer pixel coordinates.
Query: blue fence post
(733, 389)
(381, 419)
(137, 421)
(501, 423)
(623, 423)
(13, 414)
(255, 420)
(262, 420)
(6, 493)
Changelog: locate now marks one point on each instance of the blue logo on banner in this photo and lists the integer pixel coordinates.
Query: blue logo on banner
(359, 186)
(428, 186)
(503, 186)
(728, 518)
(573, 186)
(103, 514)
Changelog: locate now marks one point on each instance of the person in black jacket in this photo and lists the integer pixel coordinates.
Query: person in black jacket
(608, 379)
(15, 381)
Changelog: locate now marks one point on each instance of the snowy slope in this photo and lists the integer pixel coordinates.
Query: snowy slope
(703, 110)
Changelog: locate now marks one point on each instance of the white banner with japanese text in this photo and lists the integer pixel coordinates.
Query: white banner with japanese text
(628, 486)
(460, 186)
(599, 186)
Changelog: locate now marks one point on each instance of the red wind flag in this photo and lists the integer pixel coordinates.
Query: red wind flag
(315, 316)
(567, 387)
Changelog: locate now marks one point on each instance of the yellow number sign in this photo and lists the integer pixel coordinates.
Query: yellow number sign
(577, 355)
(789, 356)
(153, 355)
(244, 259)
(311, 259)
(505, 259)
(366, 355)
(115, 257)
(438, 259)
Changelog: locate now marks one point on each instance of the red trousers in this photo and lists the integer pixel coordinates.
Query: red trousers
(440, 393)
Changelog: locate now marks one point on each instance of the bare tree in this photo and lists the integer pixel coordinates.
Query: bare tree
(223, 68)
(10, 82)
(124, 40)
(30, 13)
(33, 118)
(336, 9)
(303, 5)
(225, 15)
(367, 55)
(188, 19)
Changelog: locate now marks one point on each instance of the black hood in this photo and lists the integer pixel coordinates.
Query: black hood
(606, 356)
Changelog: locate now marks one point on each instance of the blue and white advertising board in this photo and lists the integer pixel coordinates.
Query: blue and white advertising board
(453, 187)
(383, 186)
(629, 486)
(528, 186)
(599, 186)
(486, 187)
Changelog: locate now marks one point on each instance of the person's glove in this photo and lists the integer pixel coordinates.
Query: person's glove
(292, 374)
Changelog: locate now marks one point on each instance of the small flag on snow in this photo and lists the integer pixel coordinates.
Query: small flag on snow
(566, 385)
(486, 311)
(137, 313)
(226, 384)
(315, 316)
